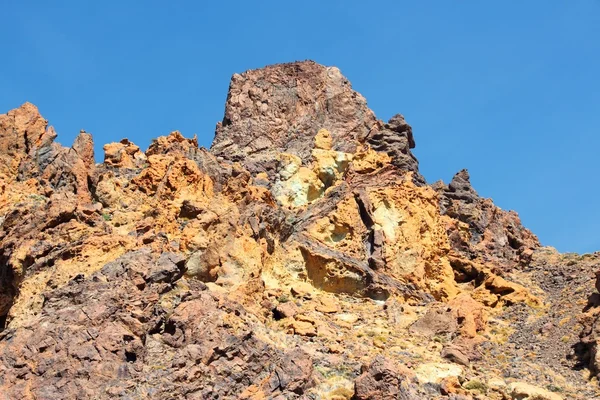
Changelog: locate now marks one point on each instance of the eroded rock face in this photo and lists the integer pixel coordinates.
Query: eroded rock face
(27, 150)
(132, 329)
(123, 154)
(280, 109)
(383, 380)
(302, 257)
(22, 132)
(481, 230)
(395, 138)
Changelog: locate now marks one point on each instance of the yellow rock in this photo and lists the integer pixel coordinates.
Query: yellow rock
(302, 289)
(524, 391)
(347, 317)
(436, 372)
(297, 185)
(328, 305)
(368, 160)
(323, 140)
(303, 328)
(379, 342)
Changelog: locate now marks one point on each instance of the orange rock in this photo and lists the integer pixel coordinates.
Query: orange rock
(470, 314)
(124, 154)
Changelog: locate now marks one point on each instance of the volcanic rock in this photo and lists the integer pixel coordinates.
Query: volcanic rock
(303, 256)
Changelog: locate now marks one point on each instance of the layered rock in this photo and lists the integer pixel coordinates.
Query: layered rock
(303, 256)
(482, 231)
(281, 108)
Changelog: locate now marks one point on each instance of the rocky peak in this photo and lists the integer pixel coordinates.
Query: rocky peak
(461, 184)
(281, 108)
(395, 138)
(22, 131)
(28, 150)
(481, 230)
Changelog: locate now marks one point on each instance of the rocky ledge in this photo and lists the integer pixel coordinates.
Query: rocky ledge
(302, 257)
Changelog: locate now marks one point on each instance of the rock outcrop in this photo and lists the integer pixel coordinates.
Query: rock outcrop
(302, 257)
(482, 231)
(281, 108)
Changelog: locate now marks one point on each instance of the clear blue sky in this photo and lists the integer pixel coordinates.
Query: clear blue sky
(508, 89)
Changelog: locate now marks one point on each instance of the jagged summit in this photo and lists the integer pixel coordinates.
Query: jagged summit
(280, 109)
(301, 257)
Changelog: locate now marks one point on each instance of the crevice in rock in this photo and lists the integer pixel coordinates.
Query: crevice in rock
(91, 187)
(26, 140)
(374, 239)
(277, 315)
(465, 273)
(170, 328)
(130, 356)
(378, 294)
(63, 218)
(364, 214)
(513, 242)
(7, 293)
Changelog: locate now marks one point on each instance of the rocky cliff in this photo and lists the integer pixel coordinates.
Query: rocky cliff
(302, 257)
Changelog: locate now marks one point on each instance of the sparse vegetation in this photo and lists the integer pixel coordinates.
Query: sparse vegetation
(476, 386)
(554, 388)
(37, 197)
(284, 298)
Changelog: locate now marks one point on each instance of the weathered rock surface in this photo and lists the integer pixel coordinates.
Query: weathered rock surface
(302, 257)
(280, 108)
(132, 329)
(480, 230)
(383, 380)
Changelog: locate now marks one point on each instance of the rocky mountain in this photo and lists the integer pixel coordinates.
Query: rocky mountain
(302, 257)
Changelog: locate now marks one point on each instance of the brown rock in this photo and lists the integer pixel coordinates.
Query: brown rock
(286, 310)
(22, 131)
(328, 305)
(493, 234)
(383, 380)
(455, 355)
(469, 313)
(437, 321)
(280, 109)
(293, 374)
(303, 328)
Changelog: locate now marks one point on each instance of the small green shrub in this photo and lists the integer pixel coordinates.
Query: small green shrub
(476, 385)
(554, 388)
(37, 197)
(283, 298)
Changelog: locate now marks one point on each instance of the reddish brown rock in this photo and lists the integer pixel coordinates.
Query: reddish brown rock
(95, 338)
(493, 235)
(22, 132)
(27, 150)
(280, 109)
(382, 380)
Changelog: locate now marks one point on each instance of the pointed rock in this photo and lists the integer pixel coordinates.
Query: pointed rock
(280, 109)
